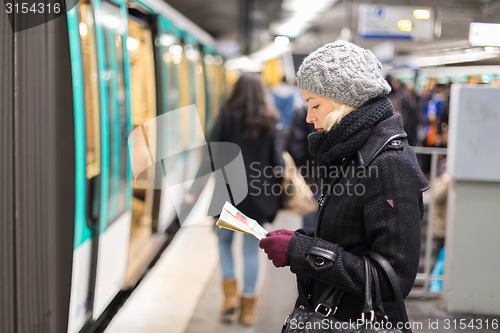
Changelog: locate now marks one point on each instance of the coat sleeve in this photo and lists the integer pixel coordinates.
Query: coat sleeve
(392, 212)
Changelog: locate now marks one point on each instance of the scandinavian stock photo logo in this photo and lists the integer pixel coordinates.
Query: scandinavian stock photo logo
(179, 161)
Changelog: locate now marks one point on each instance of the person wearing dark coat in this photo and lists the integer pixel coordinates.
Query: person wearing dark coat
(371, 185)
(249, 120)
(296, 145)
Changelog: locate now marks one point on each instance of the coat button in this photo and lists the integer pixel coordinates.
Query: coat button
(319, 261)
(396, 144)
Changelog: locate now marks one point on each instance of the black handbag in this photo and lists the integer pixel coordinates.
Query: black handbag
(322, 320)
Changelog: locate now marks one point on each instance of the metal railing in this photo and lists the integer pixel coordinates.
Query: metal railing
(428, 262)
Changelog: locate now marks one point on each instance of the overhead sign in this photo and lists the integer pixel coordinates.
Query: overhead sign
(484, 34)
(396, 22)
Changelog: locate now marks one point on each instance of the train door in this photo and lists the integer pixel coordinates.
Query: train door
(196, 73)
(114, 226)
(196, 114)
(205, 59)
(88, 156)
(144, 240)
(168, 60)
(188, 115)
(214, 75)
(209, 71)
(220, 83)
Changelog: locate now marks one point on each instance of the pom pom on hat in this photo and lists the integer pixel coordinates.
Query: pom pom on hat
(343, 72)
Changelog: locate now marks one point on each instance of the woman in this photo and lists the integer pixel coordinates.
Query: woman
(249, 120)
(372, 185)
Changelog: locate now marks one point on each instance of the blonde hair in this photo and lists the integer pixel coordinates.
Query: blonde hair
(340, 111)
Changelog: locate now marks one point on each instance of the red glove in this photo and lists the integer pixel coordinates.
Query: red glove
(281, 232)
(276, 246)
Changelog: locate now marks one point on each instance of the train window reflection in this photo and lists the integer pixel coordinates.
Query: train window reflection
(113, 30)
(91, 88)
(143, 89)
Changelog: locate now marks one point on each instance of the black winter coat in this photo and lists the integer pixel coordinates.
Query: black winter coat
(260, 156)
(383, 213)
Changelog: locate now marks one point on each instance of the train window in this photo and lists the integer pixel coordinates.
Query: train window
(171, 53)
(200, 88)
(219, 84)
(114, 30)
(185, 85)
(184, 80)
(175, 56)
(140, 46)
(210, 77)
(143, 87)
(91, 88)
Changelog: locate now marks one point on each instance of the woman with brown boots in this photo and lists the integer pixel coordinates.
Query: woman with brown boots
(249, 120)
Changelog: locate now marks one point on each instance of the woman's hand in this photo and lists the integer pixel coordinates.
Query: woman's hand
(281, 232)
(275, 245)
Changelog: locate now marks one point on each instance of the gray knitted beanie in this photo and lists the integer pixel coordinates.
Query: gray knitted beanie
(343, 72)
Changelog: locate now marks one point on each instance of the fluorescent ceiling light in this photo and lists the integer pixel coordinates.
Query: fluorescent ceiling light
(255, 61)
(243, 63)
(282, 40)
(453, 57)
(421, 14)
(298, 15)
(270, 51)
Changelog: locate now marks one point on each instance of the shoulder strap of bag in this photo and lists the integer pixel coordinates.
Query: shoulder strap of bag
(380, 312)
(393, 279)
(368, 303)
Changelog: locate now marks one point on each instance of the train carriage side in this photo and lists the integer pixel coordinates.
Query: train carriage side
(129, 66)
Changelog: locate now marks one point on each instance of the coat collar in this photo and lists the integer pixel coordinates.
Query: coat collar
(383, 133)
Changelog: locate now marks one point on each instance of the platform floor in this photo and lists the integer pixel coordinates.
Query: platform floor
(182, 292)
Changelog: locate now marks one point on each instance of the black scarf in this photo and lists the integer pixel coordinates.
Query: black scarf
(348, 136)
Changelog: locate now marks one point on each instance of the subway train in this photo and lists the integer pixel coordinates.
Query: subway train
(77, 227)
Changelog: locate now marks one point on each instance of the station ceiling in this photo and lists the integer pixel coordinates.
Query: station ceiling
(246, 22)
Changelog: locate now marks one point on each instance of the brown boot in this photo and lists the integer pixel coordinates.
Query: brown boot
(230, 298)
(247, 313)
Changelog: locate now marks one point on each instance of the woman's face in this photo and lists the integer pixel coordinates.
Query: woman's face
(319, 108)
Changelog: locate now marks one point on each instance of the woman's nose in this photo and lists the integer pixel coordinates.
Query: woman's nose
(311, 117)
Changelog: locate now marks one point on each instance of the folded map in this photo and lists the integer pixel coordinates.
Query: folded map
(231, 218)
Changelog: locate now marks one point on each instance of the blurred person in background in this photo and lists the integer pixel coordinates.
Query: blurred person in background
(396, 93)
(432, 102)
(285, 99)
(442, 128)
(356, 128)
(422, 99)
(248, 119)
(411, 117)
(297, 145)
(433, 112)
(441, 185)
(404, 101)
